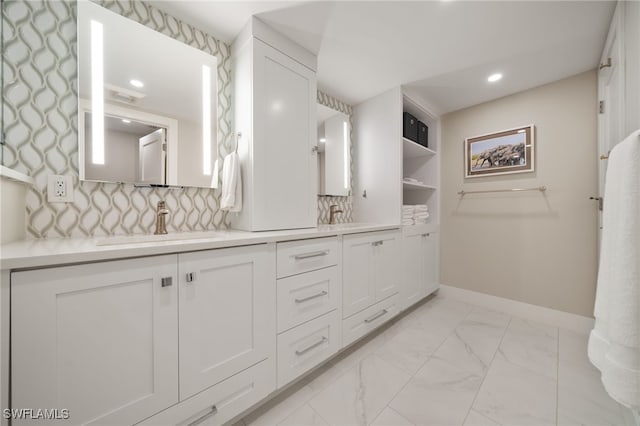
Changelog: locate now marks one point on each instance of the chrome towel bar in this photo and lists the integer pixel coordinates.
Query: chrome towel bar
(538, 188)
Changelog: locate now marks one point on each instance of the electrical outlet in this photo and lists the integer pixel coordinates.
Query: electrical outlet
(59, 189)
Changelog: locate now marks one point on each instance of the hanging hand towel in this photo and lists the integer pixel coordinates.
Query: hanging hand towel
(231, 199)
(614, 343)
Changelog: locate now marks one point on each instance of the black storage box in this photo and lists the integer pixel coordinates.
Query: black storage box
(410, 127)
(423, 134)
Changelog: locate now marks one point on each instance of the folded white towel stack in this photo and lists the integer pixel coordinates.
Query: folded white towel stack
(231, 199)
(614, 343)
(421, 213)
(407, 214)
(415, 214)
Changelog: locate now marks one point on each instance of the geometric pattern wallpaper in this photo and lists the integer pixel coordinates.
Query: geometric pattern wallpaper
(344, 203)
(40, 124)
(39, 94)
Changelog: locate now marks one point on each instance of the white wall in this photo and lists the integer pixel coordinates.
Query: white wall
(530, 247)
(632, 66)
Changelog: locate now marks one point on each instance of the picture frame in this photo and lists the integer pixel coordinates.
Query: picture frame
(505, 152)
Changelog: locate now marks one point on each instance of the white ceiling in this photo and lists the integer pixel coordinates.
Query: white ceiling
(441, 51)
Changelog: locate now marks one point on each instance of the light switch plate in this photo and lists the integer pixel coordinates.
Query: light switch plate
(59, 189)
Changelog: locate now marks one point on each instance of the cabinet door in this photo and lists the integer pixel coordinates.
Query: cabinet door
(227, 313)
(386, 264)
(97, 339)
(431, 261)
(413, 284)
(358, 289)
(284, 164)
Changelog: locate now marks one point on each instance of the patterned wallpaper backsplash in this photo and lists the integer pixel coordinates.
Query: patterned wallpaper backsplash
(40, 124)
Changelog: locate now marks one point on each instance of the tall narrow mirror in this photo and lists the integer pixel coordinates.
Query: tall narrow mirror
(334, 146)
(148, 104)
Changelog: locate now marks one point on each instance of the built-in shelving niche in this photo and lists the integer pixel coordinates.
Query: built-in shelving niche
(422, 163)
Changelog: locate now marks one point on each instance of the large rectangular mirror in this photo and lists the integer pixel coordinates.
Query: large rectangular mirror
(334, 146)
(147, 107)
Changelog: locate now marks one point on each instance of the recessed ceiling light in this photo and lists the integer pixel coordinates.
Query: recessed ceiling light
(322, 140)
(494, 77)
(136, 83)
(124, 120)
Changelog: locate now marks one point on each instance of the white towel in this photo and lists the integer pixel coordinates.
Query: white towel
(231, 198)
(614, 343)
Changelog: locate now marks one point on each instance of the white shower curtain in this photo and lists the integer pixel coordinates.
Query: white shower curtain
(614, 343)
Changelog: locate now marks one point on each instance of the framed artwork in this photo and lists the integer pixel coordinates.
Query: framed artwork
(508, 151)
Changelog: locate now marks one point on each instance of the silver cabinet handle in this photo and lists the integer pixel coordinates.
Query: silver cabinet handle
(212, 412)
(166, 281)
(312, 254)
(305, 299)
(190, 277)
(315, 345)
(377, 243)
(376, 316)
(426, 235)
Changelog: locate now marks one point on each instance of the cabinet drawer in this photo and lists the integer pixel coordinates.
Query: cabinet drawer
(363, 322)
(229, 397)
(307, 296)
(295, 257)
(307, 345)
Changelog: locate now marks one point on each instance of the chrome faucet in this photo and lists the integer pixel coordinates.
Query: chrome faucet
(333, 209)
(161, 221)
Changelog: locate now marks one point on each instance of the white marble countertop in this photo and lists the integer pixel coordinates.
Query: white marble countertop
(60, 251)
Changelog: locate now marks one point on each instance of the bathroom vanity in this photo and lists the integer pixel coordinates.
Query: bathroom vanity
(199, 327)
(185, 330)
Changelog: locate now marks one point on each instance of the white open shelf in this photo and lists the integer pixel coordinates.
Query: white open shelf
(417, 186)
(411, 149)
(422, 163)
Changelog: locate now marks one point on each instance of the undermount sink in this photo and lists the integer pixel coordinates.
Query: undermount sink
(151, 238)
(341, 226)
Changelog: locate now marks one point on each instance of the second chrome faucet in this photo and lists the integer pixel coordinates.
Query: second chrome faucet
(333, 209)
(161, 221)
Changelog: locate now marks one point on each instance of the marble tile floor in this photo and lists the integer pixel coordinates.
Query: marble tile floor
(451, 363)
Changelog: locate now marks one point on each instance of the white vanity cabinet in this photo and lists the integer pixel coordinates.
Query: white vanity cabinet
(371, 269)
(99, 340)
(227, 313)
(187, 336)
(194, 337)
(420, 267)
(309, 305)
(275, 111)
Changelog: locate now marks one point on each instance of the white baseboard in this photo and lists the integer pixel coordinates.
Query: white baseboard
(566, 320)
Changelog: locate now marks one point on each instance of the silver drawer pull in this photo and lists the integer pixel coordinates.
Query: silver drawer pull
(315, 345)
(166, 281)
(310, 255)
(376, 316)
(377, 243)
(305, 299)
(211, 413)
